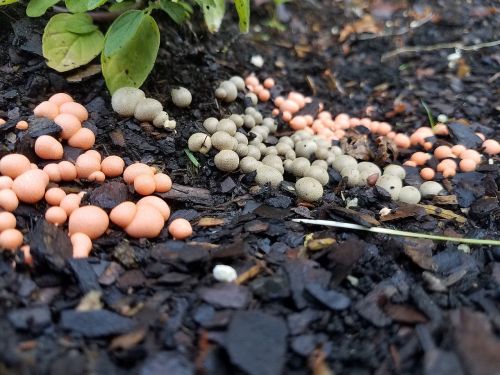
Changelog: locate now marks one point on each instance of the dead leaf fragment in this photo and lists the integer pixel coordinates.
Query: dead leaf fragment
(366, 24)
(210, 222)
(128, 340)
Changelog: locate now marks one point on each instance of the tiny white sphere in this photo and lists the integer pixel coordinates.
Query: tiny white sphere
(238, 82)
(181, 97)
(125, 99)
(147, 109)
(224, 273)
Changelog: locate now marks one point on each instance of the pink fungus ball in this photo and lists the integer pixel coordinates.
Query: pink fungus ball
(180, 229)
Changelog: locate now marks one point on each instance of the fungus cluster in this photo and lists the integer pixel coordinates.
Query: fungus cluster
(22, 181)
(228, 90)
(129, 101)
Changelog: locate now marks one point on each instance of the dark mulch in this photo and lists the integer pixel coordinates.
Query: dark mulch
(349, 304)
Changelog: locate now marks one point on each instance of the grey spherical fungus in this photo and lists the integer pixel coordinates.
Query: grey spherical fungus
(199, 142)
(303, 134)
(320, 163)
(231, 91)
(287, 165)
(318, 173)
(237, 119)
(160, 119)
(309, 189)
(266, 174)
(260, 130)
(409, 194)
(241, 149)
(248, 121)
(370, 167)
(274, 161)
(395, 170)
(282, 148)
(321, 153)
(305, 148)
(256, 139)
(344, 161)
(223, 141)
(262, 147)
(391, 184)
(353, 176)
(287, 140)
(226, 125)
(249, 164)
(430, 188)
(220, 93)
(241, 138)
(337, 151)
(269, 123)
(367, 177)
(291, 155)
(252, 98)
(238, 82)
(181, 97)
(147, 109)
(125, 99)
(254, 152)
(227, 160)
(210, 125)
(270, 150)
(300, 166)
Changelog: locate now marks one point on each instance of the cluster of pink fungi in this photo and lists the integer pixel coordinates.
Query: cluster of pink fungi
(331, 128)
(22, 181)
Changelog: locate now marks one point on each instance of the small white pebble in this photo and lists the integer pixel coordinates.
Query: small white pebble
(442, 118)
(257, 60)
(224, 273)
(384, 211)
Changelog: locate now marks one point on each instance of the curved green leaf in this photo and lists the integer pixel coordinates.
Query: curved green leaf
(7, 2)
(65, 50)
(214, 14)
(81, 23)
(131, 64)
(37, 8)
(80, 6)
(122, 30)
(243, 9)
(179, 11)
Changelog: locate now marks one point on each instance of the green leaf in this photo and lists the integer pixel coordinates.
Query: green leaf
(80, 24)
(131, 64)
(122, 30)
(122, 6)
(214, 14)
(80, 6)
(179, 11)
(65, 50)
(192, 158)
(37, 8)
(7, 2)
(432, 122)
(243, 9)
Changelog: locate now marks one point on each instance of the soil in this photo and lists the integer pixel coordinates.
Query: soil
(337, 302)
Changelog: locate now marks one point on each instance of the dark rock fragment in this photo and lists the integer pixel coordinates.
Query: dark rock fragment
(464, 135)
(109, 195)
(97, 323)
(256, 343)
(50, 246)
(42, 126)
(230, 296)
(30, 318)
(330, 298)
(167, 363)
(84, 274)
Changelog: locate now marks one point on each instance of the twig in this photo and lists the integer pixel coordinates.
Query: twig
(394, 232)
(435, 47)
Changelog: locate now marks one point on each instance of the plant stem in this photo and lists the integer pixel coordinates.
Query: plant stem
(395, 232)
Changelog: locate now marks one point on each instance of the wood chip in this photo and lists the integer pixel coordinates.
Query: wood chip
(210, 222)
(442, 213)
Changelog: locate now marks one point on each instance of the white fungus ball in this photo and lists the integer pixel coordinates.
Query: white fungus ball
(249, 164)
(266, 174)
(430, 188)
(238, 82)
(309, 189)
(125, 99)
(344, 161)
(181, 97)
(210, 124)
(224, 273)
(391, 184)
(147, 109)
(409, 194)
(395, 170)
(227, 160)
(199, 142)
(318, 173)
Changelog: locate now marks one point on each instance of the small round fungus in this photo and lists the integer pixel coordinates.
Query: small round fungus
(226, 125)
(238, 82)
(274, 161)
(300, 166)
(125, 99)
(409, 194)
(147, 109)
(370, 167)
(353, 176)
(391, 184)
(199, 142)
(223, 141)
(224, 273)
(309, 189)
(343, 161)
(430, 188)
(210, 125)
(249, 164)
(395, 170)
(231, 91)
(266, 174)
(181, 97)
(318, 173)
(180, 229)
(227, 160)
